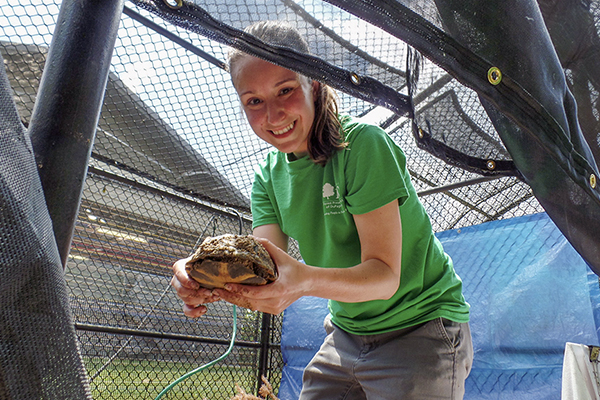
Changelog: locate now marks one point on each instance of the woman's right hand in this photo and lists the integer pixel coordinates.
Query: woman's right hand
(189, 291)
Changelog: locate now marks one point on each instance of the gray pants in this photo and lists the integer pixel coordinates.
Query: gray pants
(427, 361)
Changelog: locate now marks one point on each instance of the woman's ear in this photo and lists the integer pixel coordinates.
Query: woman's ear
(316, 85)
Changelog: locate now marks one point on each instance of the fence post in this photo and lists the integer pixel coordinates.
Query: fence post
(265, 341)
(67, 107)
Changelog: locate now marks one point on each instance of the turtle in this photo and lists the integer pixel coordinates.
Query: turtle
(231, 258)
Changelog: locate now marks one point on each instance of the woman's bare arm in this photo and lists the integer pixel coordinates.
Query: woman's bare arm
(376, 277)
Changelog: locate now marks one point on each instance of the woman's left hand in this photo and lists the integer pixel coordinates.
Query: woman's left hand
(274, 297)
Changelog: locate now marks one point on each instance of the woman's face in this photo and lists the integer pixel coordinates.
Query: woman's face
(279, 103)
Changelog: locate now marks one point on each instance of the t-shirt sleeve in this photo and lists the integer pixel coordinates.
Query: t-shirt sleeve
(375, 170)
(263, 210)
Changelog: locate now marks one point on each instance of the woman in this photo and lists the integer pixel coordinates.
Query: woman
(398, 323)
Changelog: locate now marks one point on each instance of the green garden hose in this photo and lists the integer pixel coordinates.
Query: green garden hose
(233, 332)
(195, 371)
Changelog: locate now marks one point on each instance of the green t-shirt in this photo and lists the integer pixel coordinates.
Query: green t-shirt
(314, 205)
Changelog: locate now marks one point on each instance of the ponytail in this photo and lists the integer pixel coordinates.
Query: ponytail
(325, 137)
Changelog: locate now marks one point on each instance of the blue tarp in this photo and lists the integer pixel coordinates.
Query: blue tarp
(529, 292)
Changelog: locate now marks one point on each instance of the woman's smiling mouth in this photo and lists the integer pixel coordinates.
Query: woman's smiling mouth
(284, 130)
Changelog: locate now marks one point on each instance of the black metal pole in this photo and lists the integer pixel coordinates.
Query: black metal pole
(67, 108)
(265, 342)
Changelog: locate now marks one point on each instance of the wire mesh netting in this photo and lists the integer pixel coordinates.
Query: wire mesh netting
(173, 161)
(130, 321)
(38, 351)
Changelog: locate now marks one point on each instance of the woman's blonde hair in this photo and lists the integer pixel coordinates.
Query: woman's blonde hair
(325, 137)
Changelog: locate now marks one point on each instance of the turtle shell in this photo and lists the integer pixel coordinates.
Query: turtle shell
(231, 258)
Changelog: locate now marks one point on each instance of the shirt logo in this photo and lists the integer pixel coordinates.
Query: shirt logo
(332, 203)
(329, 190)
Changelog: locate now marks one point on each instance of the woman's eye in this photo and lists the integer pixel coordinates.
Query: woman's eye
(286, 90)
(253, 102)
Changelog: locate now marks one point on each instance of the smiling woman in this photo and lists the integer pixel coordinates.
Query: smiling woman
(324, 137)
(341, 189)
(279, 104)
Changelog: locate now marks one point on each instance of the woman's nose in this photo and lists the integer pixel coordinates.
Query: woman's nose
(275, 112)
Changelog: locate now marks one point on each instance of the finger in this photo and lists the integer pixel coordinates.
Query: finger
(193, 296)
(235, 298)
(271, 248)
(252, 292)
(178, 286)
(194, 311)
(277, 254)
(182, 276)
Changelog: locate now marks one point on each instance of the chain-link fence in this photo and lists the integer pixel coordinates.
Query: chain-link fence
(173, 163)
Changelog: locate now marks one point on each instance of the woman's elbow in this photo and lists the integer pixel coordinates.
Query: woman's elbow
(391, 287)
